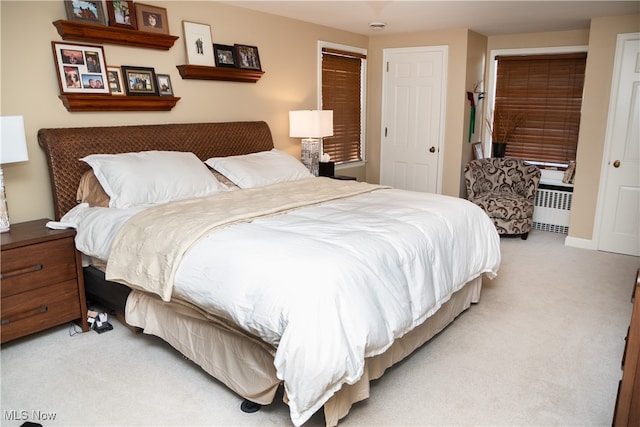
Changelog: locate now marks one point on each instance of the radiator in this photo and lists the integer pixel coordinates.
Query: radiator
(552, 210)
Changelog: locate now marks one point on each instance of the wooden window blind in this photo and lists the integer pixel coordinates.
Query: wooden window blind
(547, 91)
(342, 92)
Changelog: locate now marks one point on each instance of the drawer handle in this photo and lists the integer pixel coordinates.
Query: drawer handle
(26, 314)
(21, 271)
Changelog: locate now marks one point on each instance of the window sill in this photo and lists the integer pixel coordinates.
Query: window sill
(349, 165)
(553, 177)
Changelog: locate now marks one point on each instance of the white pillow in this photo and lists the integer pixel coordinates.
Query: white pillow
(260, 169)
(152, 177)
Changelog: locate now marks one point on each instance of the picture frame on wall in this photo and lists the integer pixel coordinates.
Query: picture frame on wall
(116, 85)
(81, 68)
(87, 11)
(121, 14)
(197, 40)
(247, 57)
(164, 85)
(139, 81)
(225, 55)
(151, 18)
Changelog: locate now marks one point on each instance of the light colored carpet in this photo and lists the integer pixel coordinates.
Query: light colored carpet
(542, 348)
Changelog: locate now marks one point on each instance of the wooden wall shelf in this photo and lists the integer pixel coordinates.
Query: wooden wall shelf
(201, 72)
(79, 31)
(81, 102)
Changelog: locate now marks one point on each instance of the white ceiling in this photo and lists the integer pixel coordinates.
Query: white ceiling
(485, 17)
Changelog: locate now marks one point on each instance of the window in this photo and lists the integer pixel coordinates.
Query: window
(547, 91)
(342, 91)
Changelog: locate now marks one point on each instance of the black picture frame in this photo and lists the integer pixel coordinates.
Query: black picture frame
(247, 57)
(225, 55)
(85, 11)
(139, 81)
(165, 88)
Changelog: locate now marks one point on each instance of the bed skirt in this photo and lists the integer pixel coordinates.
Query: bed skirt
(245, 364)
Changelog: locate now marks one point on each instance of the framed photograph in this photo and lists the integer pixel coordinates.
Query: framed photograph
(81, 68)
(114, 77)
(87, 11)
(151, 18)
(477, 151)
(247, 57)
(121, 14)
(139, 80)
(164, 85)
(225, 55)
(197, 40)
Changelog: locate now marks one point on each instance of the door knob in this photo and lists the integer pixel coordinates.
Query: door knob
(616, 164)
(432, 149)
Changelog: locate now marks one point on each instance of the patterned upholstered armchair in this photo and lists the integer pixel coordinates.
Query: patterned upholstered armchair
(506, 190)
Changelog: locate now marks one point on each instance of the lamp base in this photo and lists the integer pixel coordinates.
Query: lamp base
(311, 154)
(4, 212)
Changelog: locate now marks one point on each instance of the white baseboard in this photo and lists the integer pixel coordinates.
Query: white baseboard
(575, 242)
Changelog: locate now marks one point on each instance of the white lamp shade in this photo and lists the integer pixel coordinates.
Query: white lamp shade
(13, 142)
(311, 123)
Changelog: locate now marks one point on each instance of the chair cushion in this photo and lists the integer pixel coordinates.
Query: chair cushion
(505, 205)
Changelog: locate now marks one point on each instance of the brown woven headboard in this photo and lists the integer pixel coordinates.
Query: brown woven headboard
(65, 146)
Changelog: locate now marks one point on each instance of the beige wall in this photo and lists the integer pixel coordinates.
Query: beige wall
(476, 63)
(597, 89)
(288, 53)
(456, 40)
(28, 82)
(601, 42)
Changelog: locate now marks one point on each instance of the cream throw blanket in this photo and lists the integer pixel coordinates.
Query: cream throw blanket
(148, 249)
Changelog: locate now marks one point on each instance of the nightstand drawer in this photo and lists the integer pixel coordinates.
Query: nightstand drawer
(34, 311)
(35, 266)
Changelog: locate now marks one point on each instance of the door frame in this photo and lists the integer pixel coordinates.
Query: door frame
(608, 139)
(444, 49)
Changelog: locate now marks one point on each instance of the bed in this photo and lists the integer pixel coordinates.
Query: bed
(327, 279)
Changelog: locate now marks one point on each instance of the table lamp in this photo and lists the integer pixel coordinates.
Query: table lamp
(311, 126)
(13, 149)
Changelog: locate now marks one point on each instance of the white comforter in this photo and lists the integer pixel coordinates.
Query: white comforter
(328, 284)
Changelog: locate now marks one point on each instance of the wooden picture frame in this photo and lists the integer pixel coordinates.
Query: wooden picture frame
(122, 14)
(151, 18)
(247, 57)
(139, 81)
(225, 55)
(197, 41)
(165, 88)
(87, 11)
(81, 68)
(116, 84)
(478, 154)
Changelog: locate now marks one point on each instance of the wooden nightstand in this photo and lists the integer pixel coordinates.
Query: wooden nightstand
(328, 170)
(627, 409)
(41, 280)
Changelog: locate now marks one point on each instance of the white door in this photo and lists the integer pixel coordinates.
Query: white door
(620, 199)
(414, 89)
